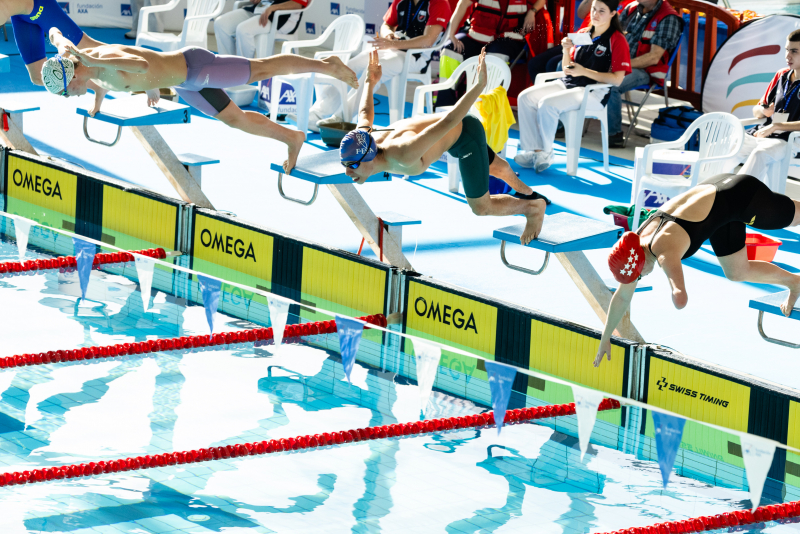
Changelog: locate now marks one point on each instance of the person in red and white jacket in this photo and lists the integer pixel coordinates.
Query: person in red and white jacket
(606, 60)
(408, 24)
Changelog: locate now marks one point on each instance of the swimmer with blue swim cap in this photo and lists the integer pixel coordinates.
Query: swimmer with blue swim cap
(32, 20)
(412, 145)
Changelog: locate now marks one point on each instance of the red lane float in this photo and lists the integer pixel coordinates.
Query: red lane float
(773, 512)
(178, 343)
(290, 444)
(68, 264)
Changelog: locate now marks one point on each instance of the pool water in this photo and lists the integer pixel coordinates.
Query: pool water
(529, 479)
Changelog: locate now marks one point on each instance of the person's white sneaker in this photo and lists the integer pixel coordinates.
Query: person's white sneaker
(543, 161)
(525, 159)
(130, 35)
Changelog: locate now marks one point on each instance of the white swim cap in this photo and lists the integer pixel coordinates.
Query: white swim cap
(57, 72)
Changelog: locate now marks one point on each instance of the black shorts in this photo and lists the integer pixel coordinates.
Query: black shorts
(474, 157)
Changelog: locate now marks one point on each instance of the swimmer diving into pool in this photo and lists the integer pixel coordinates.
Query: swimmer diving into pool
(412, 145)
(32, 20)
(197, 75)
(718, 209)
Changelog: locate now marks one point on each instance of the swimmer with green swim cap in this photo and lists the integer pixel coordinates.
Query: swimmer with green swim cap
(196, 74)
(412, 145)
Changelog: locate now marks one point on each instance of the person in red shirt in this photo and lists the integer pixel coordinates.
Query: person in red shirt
(408, 24)
(606, 60)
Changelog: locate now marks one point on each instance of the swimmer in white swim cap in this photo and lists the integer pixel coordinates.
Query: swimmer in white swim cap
(57, 73)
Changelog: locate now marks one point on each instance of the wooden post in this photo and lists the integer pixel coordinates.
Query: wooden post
(184, 183)
(595, 292)
(367, 223)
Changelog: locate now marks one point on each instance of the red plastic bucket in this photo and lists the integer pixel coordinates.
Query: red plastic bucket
(761, 247)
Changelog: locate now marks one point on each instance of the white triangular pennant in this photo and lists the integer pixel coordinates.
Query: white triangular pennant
(22, 228)
(278, 313)
(428, 357)
(144, 268)
(757, 454)
(586, 403)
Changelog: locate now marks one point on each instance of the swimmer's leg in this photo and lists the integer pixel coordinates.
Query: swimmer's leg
(258, 124)
(499, 205)
(501, 169)
(264, 68)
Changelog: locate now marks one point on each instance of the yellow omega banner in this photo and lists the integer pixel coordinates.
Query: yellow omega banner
(134, 222)
(51, 191)
(453, 319)
(793, 459)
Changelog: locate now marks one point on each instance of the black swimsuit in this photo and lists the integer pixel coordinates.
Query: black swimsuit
(741, 201)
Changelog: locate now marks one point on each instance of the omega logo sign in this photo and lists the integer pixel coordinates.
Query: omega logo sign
(36, 184)
(227, 245)
(445, 315)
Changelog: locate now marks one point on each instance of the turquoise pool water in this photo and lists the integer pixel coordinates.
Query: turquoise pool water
(528, 479)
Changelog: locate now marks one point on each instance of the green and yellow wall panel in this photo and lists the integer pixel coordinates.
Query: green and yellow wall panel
(133, 221)
(793, 459)
(40, 192)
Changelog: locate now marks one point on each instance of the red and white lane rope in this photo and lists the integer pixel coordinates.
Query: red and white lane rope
(68, 264)
(762, 514)
(178, 343)
(306, 442)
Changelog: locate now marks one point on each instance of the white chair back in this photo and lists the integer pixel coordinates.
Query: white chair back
(721, 134)
(349, 32)
(497, 73)
(198, 14)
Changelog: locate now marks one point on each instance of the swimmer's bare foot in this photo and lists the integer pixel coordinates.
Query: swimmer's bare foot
(294, 143)
(340, 71)
(535, 216)
(791, 300)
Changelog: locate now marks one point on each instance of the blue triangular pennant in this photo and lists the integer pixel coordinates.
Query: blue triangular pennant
(669, 431)
(349, 337)
(501, 378)
(211, 288)
(84, 257)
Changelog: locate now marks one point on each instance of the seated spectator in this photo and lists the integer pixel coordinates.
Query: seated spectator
(653, 30)
(407, 24)
(606, 60)
(780, 105)
(236, 31)
(501, 32)
(548, 60)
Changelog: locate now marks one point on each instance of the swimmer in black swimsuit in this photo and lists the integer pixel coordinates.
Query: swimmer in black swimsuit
(718, 209)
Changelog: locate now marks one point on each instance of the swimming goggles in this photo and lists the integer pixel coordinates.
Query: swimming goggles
(64, 76)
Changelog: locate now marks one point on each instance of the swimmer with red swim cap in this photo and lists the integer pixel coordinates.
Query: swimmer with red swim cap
(718, 209)
(412, 145)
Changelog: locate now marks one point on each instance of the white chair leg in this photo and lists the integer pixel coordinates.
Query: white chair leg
(453, 173)
(604, 135)
(572, 136)
(395, 99)
(303, 98)
(275, 98)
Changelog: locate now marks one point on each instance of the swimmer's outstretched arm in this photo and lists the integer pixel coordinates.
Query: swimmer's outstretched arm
(101, 56)
(366, 108)
(620, 303)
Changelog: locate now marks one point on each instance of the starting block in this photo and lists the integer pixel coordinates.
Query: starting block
(772, 304)
(134, 113)
(14, 137)
(325, 169)
(566, 236)
(5, 63)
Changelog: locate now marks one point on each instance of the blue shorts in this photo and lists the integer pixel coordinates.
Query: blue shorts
(30, 31)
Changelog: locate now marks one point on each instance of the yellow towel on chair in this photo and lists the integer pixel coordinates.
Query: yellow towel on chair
(497, 117)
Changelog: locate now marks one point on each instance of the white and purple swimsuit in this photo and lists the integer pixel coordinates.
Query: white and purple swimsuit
(207, 74)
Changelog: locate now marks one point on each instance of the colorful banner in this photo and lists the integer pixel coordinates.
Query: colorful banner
(210, 288)
(586, 403)
(278, 313)
(22, 228)
(501, 378)
(84, 257)
(349, 338)
(428, 357)
(757, 453)
(669, 431)
(144, 268)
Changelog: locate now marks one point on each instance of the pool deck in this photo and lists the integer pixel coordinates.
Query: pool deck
(451, 244)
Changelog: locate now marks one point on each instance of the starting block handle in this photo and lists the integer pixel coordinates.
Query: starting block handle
(304, 203)
(89, 137)
(772, 339)
(522, 269)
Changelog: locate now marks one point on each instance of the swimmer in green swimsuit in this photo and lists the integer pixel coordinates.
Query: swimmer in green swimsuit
(412, 145)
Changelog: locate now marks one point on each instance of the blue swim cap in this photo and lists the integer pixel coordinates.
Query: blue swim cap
(358, 146)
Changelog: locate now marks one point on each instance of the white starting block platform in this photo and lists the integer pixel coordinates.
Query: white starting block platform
(134, 113)
(15, 136)
(325, 168)
(567, 236)
(772, 304)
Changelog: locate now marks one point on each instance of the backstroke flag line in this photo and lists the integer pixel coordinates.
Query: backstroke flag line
(144, 268)
(669, 431)
(84, 257)
(757, 454)
(22, 229)
(211, 288)
(587, 401)
(278, 314)
(349, 338)
(428, 357)
(501, 378)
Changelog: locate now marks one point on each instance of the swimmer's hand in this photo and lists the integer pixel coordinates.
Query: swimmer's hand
(482, 72)
(374, 71)
(153, 96)
(603, 350)
(99, 94)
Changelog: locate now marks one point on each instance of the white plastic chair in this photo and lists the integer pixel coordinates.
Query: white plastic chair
(195, 25)
(573, 122)
(265, 42)
(777, 171)
(348, 31)
(721, 136)
(497, 74)
(397, 85)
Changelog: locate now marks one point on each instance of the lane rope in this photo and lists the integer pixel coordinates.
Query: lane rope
(68, 264)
